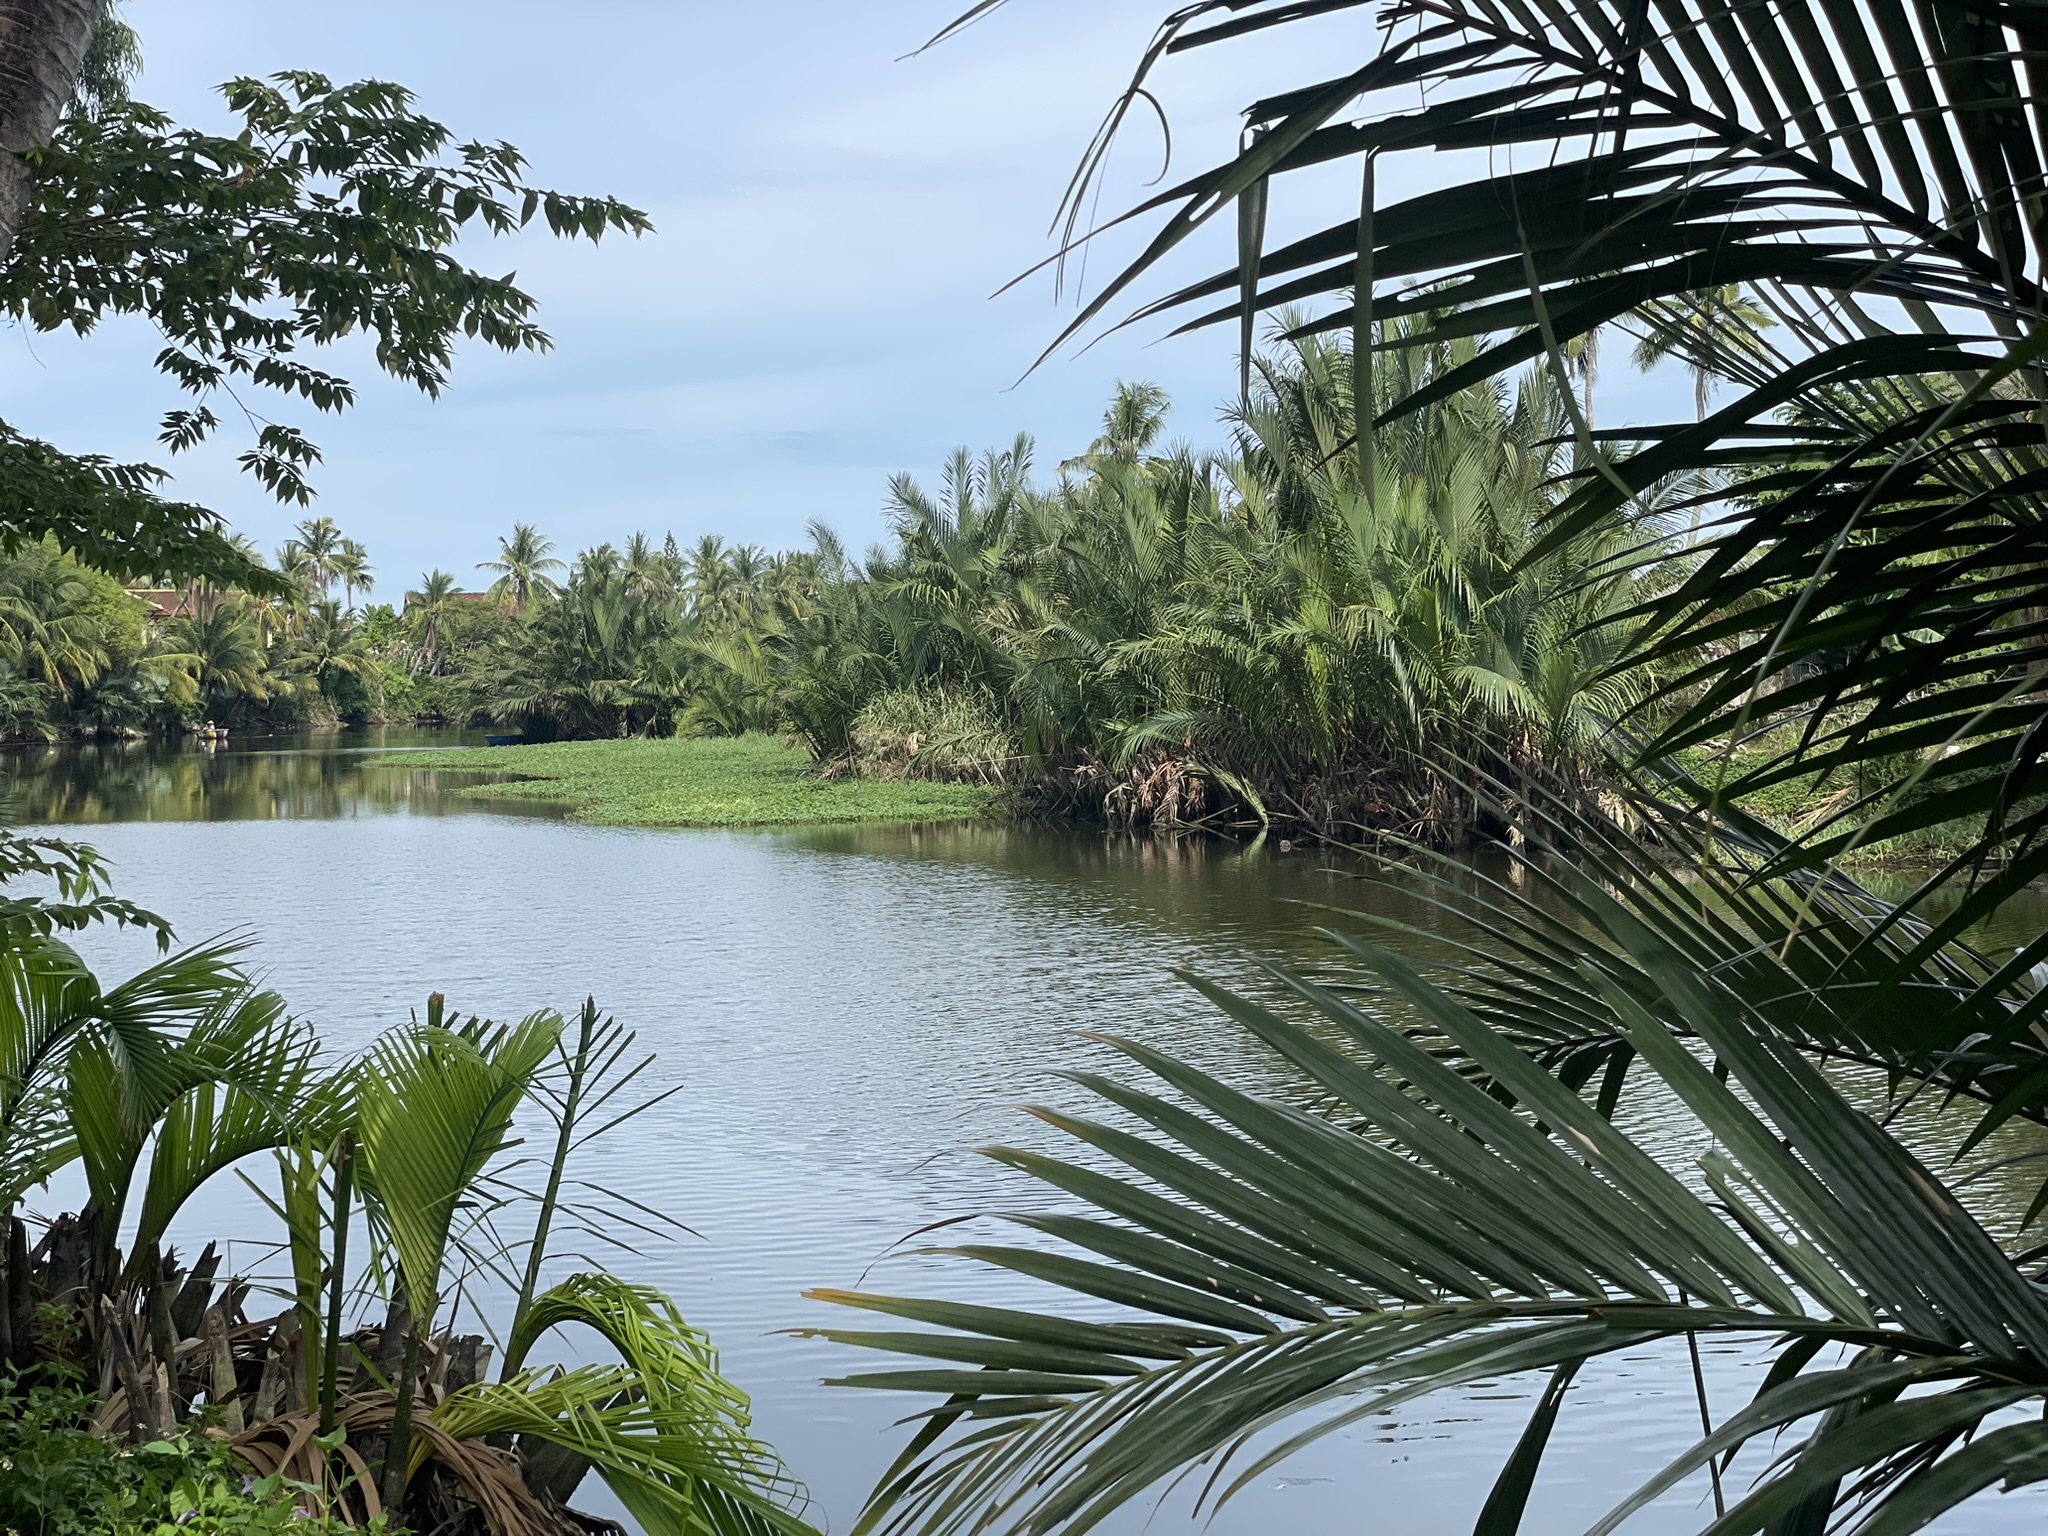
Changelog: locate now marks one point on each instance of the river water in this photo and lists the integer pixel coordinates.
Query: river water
(846, 1014)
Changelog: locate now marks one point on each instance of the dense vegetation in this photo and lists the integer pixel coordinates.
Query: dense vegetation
(1386, 624)
(1156, 637)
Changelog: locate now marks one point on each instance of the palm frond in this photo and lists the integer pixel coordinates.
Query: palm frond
(1865, 175)
(1282, 1273)
(669, 1444)
(435, 1106)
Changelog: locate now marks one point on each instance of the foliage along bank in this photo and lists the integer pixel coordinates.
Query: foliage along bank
(1154, 637)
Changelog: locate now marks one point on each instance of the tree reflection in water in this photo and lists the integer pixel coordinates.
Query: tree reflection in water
(330, 775)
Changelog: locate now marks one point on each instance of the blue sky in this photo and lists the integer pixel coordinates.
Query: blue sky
(813, 312)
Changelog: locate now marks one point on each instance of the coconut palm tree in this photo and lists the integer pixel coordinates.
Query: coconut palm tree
(1709, 330)
(223, 655)
(330, 649)
(710, 577)
(321, 548)
(1131, 425)
(523, 566)
(351, 567)
(296, 567)
(428, 610)
(648, 568)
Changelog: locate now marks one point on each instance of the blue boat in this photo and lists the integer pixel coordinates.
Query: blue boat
(504, 741)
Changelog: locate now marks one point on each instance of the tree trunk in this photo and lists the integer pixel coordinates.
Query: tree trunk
(398, 1450)
(10, 1278)
(143, 1406)
(223, 1384)
(42, 44)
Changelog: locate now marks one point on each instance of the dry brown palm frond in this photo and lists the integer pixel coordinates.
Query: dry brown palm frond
(480, 1475)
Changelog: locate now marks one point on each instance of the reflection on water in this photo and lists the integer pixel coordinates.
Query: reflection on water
(318, 776)
(848, 1014)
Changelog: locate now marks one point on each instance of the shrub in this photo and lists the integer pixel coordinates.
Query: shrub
(943, 734)
(59, 1479)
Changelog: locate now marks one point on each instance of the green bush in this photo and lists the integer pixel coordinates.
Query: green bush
(59, 1479)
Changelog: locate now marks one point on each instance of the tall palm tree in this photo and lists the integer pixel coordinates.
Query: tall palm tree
(320, 545)
(525, 561)
(351, 566)
(710, 577)
(1712, 331)
(430, 611)
(1132, 424)
(1709, 330)
(647, 568)
(293, 562)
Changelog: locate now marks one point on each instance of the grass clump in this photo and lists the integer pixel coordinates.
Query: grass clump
(744, 781)
(942, 735)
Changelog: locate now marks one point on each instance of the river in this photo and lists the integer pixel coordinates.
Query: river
(847, 1015)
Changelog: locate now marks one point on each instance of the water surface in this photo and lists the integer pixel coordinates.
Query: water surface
(847, 1015)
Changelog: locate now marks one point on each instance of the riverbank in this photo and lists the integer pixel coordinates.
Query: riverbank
(1795, 807)
(746, 781)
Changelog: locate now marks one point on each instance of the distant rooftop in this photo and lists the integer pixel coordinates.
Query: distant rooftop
(167, 602)
(413, 599)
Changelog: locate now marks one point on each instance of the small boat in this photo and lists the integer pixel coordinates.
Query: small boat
(504, 741)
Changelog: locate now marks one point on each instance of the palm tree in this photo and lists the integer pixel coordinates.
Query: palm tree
(330, 649)
(648, 568)
(223, 654)
(294, 564)
(1136, 415)
(710, 577)
(1710, 330)
(523, 563)
(320, 550)
(79, 1054)
(429, 610)
(351, 566)
(45, 633)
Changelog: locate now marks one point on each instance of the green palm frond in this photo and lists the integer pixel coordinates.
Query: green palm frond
(131, 1052)
(140, 1021)
(1861, 178)
(1819, 962)
(666, 1432)
(1284, 1273)
(435, 1106)
(263, 1089)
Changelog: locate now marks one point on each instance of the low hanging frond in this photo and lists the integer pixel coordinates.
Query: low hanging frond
(1281, 1273)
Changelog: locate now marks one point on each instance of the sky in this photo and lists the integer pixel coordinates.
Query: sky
(816, 310)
